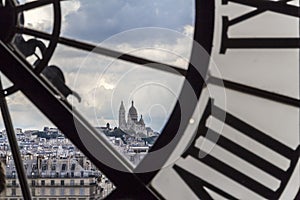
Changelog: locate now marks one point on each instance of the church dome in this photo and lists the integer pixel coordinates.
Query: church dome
(132, 112)
(142, 121)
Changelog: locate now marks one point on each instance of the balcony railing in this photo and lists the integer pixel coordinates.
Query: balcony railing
(56, 185)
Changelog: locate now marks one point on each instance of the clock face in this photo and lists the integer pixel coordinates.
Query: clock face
(249, 133)
(234, 130)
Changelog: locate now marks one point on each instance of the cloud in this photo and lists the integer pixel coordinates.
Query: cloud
(188, 30)
(24, 114)
(42, 18)
(97, 20)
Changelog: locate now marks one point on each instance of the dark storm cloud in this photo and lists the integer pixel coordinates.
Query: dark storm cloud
(97, 20)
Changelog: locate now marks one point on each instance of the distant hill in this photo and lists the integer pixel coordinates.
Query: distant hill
(117, 132)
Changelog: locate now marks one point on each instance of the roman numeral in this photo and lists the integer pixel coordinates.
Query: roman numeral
(197, 184)
(251, 157)
(280, 7)
(275, 6)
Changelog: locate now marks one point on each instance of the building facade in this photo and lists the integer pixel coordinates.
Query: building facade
(54, 179)
(55, 168)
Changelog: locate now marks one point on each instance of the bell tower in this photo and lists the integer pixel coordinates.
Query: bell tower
(122, 120)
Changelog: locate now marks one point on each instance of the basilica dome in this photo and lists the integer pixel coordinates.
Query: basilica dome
(133, 113)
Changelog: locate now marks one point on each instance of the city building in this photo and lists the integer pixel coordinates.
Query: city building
(54, 167)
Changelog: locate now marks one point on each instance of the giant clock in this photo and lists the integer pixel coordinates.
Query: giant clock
(237, 138)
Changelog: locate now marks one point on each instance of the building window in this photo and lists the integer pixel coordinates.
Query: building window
(62, 182)
(33, 191)
(42, 191)
(52, 182)
(13, 173)
(14, 183)
(81, 182)
(63, 167)
(72, 191)
(81, 191)
(73, 167)
(72, 182)
(52, 191)
(62, 191)
(33, 182)
(44, 167)
(53, 167)
(43, 182)
(13, 192)
(34, 167)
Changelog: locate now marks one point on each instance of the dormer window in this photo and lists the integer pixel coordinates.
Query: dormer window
(34, 167)
(44, 167)
(63, 167)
